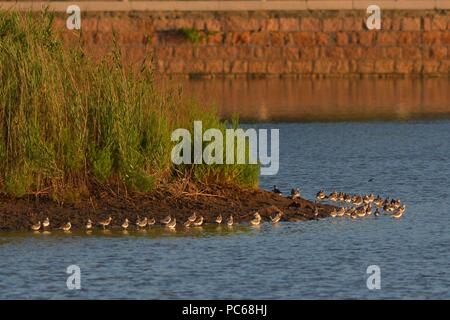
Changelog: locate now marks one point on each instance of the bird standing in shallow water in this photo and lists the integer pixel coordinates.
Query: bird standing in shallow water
(257, 220)
(398, 213)
(187, 224)
(166, 220)
(151, 221)
(378, 202)
(350, 211)
(172, 224)
(333, 213)
(341, 212)
(36, 226)
(105, 223)
(89, 224)
(333, 196)
(219, 219)
(193, 217)
(230, 221)
(357, 200)
(376, 213)
(46, 223)
(320, 195)
(141, 223)
(125, 224)
(361, 212)
(67, 226)
(198, 222)
(347, 198)
(276, 218)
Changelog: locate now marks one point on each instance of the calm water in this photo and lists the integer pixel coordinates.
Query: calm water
(317, 259)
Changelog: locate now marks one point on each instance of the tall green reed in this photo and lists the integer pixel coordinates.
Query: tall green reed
(68, 123)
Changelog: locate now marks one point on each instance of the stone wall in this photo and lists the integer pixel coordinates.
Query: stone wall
(290, 43)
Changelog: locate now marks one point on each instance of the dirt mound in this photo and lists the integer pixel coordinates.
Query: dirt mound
(20, 214)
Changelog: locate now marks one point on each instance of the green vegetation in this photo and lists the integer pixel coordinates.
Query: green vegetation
(192, 35)
(69, 124)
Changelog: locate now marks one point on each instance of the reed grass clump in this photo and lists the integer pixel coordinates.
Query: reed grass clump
(68, 123)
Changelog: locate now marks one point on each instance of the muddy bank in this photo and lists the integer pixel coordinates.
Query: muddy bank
(20, 214)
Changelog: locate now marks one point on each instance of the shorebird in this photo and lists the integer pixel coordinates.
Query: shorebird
(46, 223)
(142, 223)
(276, 190)
(105, 223)
(126, 223)
(369, 209)
(341, 197)
(388, 207)
(377, 213)
(348, 198)
(172, 223)
(193, 217)
(187, 224)
(166, 220)
(333, 213)
(398, 213)
(198, 222)
(397, 203)
(341, 212)
(89, 224)
(357, 200)
(333, 196)
(366, 199)
(371, 198)
(151, 221)
(230, 221)
(350, 211)
(316, 211)
(361, 212)
(378, 202)
(276, 218)
(219, 219)
(36, 226)
(321, 195)
(295, 193)
(67, 226)
(257, 220)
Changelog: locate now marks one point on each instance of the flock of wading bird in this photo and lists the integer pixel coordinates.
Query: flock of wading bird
(353, 206)
(358, 206)
(169, 222)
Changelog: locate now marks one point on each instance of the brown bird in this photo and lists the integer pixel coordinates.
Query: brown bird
(198, 222)
(125, 224)
(67, 226)
(36, 226)
(105, 223)
(257, 220)
(193, 217)
(46, 223)
(276, 218)
(172, 223)
(166, 220)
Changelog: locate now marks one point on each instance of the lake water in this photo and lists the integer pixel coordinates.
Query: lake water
(309, 260)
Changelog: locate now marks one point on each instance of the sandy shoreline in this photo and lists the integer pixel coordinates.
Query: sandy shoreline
(20, 214)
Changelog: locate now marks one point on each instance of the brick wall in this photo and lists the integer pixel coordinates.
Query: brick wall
(302, 43)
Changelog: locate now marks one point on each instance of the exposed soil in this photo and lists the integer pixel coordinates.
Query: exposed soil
(20, 214)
